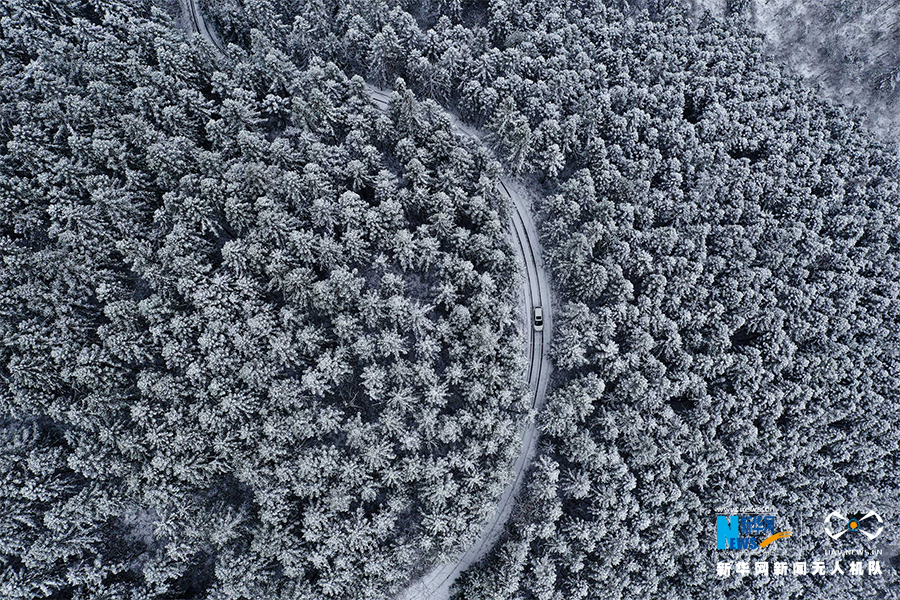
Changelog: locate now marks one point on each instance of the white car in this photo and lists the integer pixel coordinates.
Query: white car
(538, 319)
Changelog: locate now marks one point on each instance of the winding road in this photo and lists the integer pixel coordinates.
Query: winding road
(436, 583)
(196, 25)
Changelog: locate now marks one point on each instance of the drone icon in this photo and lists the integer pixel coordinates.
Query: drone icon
(852, 525)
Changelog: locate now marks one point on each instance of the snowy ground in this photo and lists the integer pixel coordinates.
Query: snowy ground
(849, 47)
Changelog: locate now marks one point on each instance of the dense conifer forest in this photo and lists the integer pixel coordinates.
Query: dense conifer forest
(260, 340)
(850, 47)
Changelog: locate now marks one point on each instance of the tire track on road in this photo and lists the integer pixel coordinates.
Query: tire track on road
(435, 585)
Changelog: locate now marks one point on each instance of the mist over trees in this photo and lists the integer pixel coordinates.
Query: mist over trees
(258, 338)
(850, 47)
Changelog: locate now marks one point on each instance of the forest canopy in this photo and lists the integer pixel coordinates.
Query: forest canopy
(258, 338)
(724, 245)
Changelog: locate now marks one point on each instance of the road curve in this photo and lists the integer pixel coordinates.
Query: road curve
(436, 583)
(197, 25)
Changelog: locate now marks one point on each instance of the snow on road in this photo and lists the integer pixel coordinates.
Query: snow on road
(435, 585)
(198, 26)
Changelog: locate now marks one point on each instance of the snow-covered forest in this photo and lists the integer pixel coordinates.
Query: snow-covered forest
(256, 335)
(261, 340)
(850, 47)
